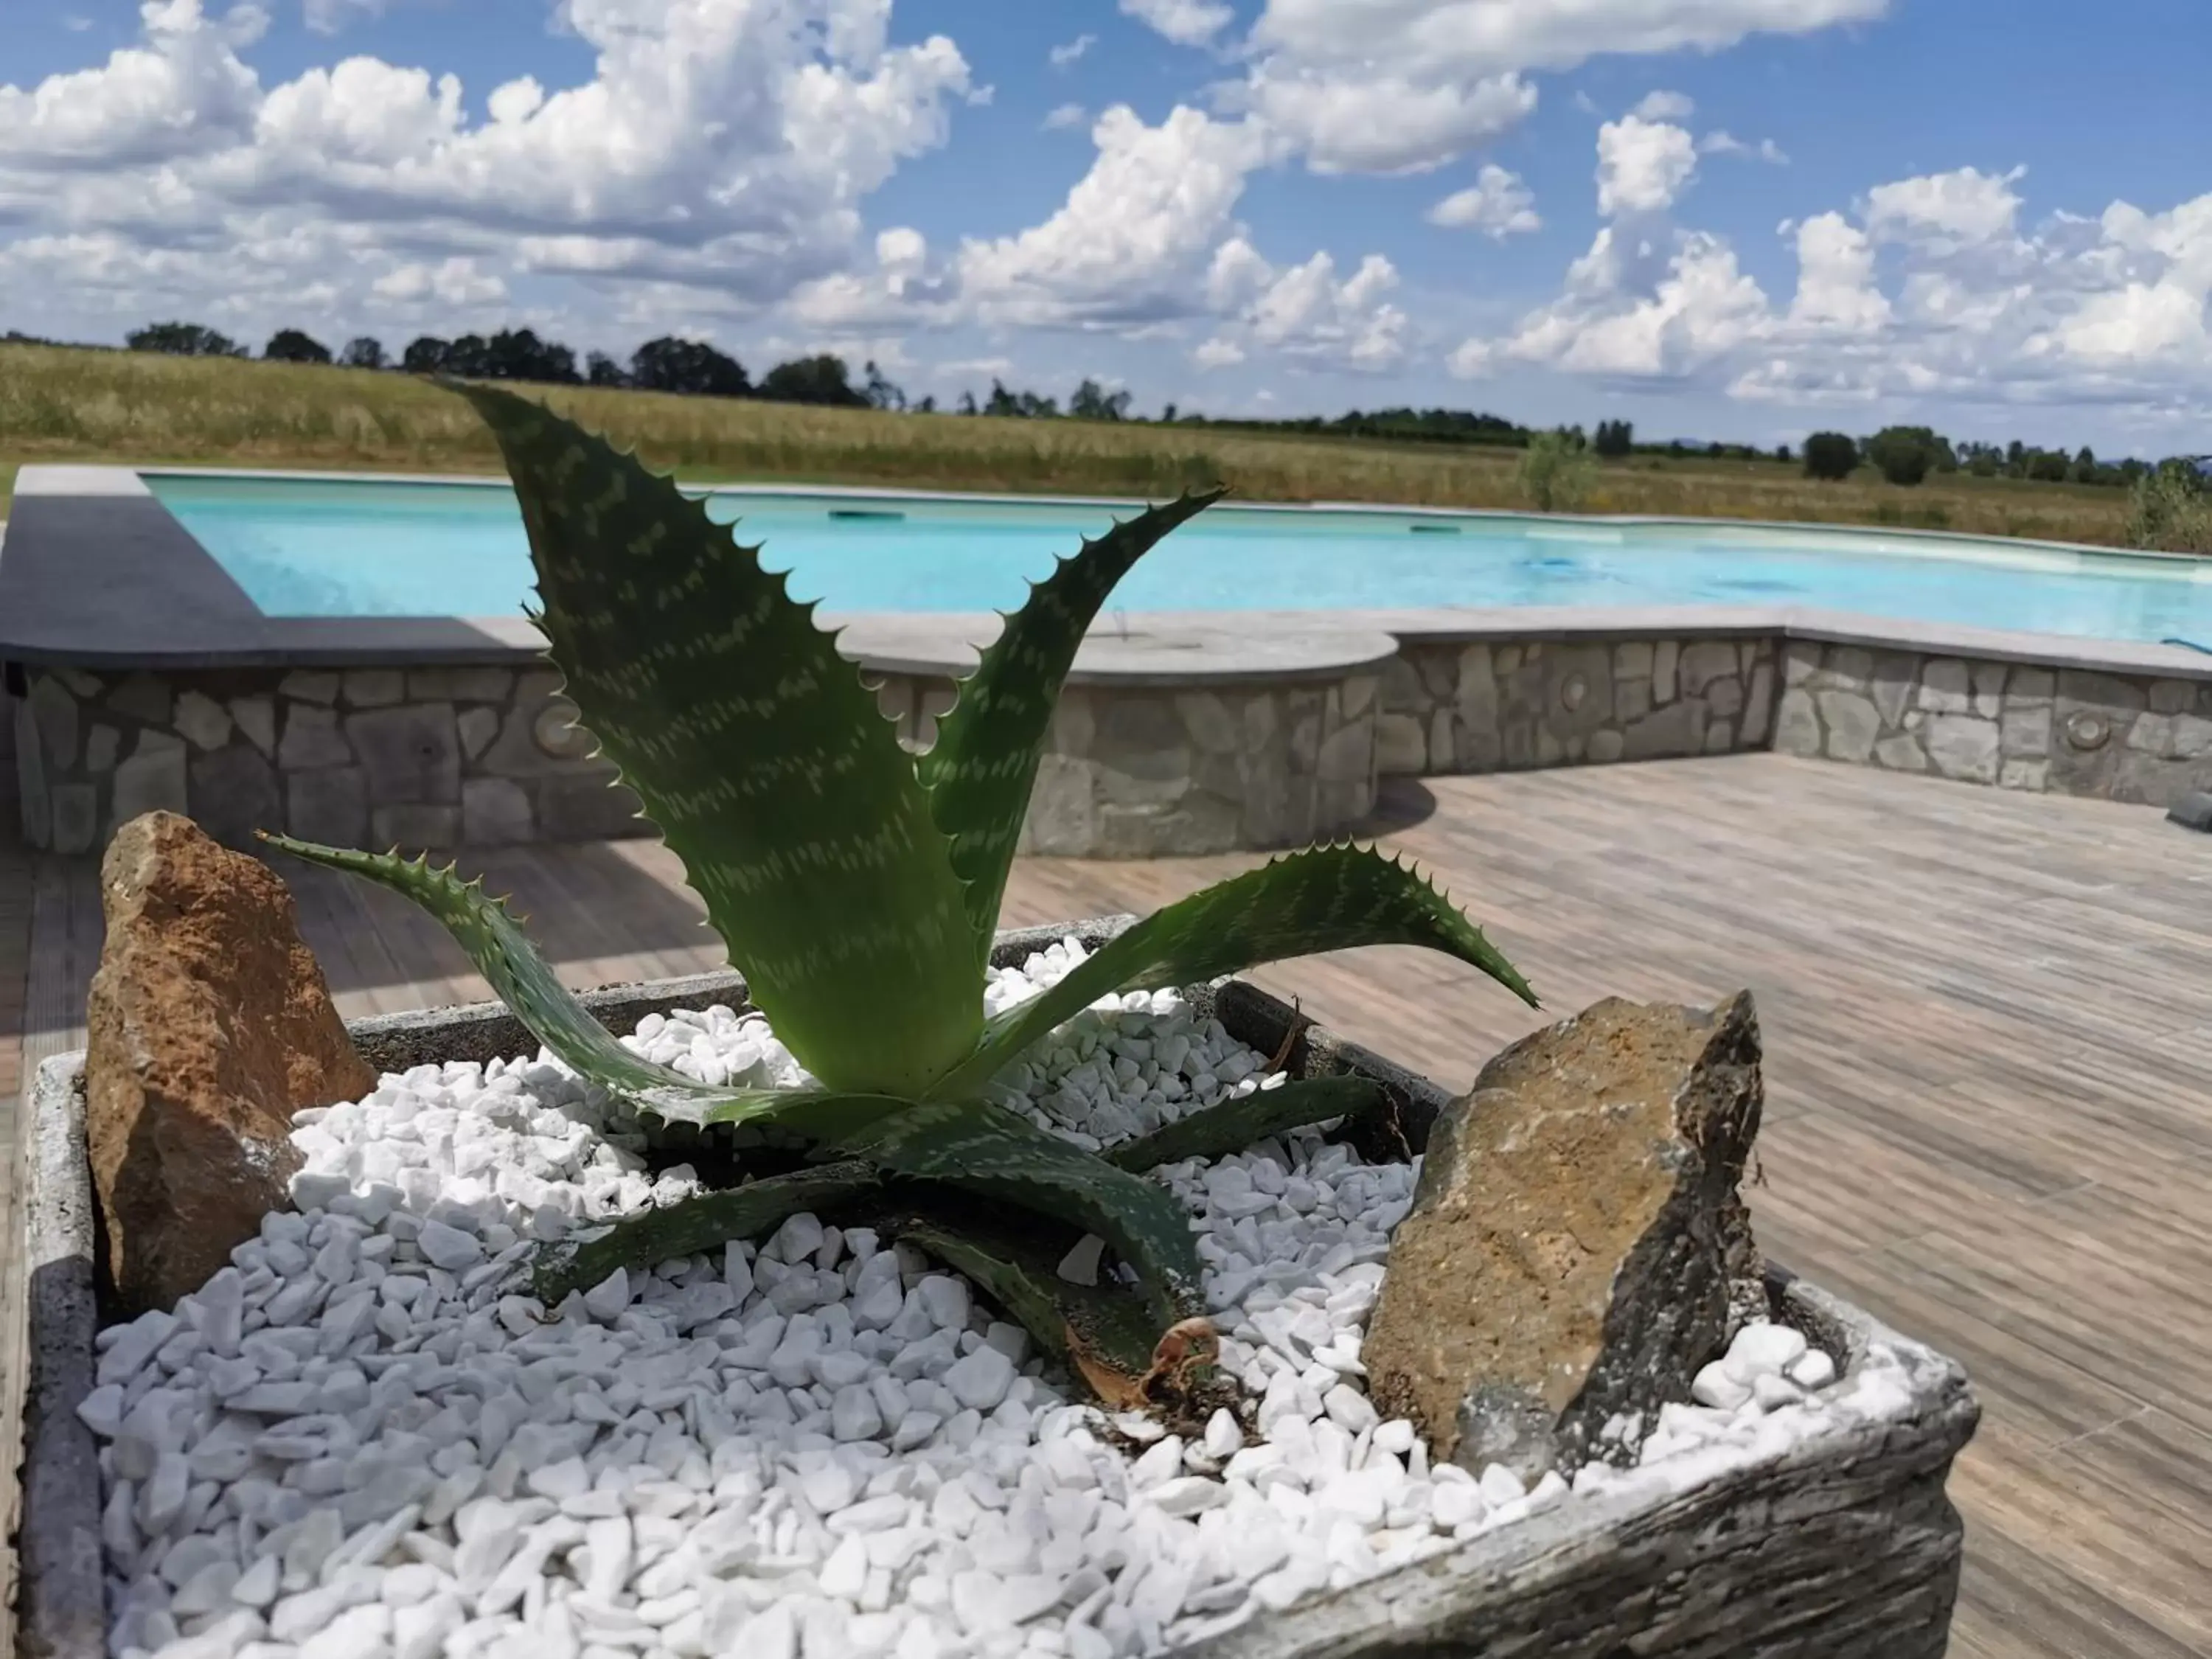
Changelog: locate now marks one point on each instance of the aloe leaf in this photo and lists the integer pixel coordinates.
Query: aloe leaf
(1326, 899)
(1233, 1125)
(526, 983)
(695, 1227)
(765, 762)
(984, 763)
(988, 1150)
(1104, 1333)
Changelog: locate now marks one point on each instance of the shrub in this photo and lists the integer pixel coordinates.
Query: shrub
(858, 887)
(292, 346)
(2170, 510)
(183, 340)
(669, 364)
(1902, 454)
(820, 379)
(1831, 455)
(1555, 473)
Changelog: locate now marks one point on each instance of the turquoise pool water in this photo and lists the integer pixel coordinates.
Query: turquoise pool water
(315, 547)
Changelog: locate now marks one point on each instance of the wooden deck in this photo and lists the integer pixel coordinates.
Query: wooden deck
(1988, 1037)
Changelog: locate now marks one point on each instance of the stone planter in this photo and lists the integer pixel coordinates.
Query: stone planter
(1844, 1546)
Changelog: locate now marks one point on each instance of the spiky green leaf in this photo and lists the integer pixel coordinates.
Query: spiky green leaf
(697, 1226)
(1235, 1124)
(1326, 899)
(988, 1150)
(1090, 1327)
(526, 983)
(766, 763)
(984, 763)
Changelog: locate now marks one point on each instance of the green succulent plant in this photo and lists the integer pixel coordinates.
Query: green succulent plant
(858, 886)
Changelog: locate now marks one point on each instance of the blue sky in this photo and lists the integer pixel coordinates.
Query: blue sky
(1722, 218)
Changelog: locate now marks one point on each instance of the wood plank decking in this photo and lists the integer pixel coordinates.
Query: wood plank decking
(1989, 1036)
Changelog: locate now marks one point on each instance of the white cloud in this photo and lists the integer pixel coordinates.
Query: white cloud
(1066, 115)
(1664, 105)
(1304, 312)
(1721, 142)
(1930, 290)
(1062, 56)
(1498, 204)
(1835, 278)
(1134, 232)
(1186, 22)
(1218, 353)
(328, 16)
(1390, 85)
(455, 282)
(1641, 166)
(1962, 207)
(182, 92)
(1387, 123)
(720, 149)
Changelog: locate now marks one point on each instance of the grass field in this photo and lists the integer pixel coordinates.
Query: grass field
(62, 404)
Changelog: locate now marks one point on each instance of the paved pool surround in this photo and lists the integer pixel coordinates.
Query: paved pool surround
(140, 677)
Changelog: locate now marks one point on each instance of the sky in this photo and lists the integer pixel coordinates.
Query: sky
(1733, 219)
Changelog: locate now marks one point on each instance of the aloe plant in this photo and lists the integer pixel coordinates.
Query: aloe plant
(858, 886)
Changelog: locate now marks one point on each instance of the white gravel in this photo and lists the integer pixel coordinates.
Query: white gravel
(358, 1442)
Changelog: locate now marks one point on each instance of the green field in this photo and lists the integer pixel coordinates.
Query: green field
(65, 404)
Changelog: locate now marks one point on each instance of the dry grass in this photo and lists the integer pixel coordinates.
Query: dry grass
(61, 405)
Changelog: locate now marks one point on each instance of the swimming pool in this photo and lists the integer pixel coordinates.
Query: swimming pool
(323, 547)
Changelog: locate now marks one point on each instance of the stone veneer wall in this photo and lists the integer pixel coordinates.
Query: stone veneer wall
(2019, 725)
(1453, 709)
(1144, 772)
(358, 757)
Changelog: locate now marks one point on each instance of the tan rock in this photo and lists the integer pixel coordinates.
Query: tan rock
(1576, 1247)
(209, 1024)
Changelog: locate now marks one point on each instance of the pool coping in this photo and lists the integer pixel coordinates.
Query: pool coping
(113, 580)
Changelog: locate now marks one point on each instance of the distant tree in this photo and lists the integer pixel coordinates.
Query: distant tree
(1615, 438)
(1831, 455)
(2048, 466)
(1035, 407)
(362, 352)
(1555, 471)
(967, 403)
(183, 340)
(1782, 452)
(1168, 415)
(927, 405)
(819, 379)
(1092, 402)
(514, 353)
(879, 391)
(2085, 465)
(691, 367)
(426, 355)
(292, 346)
(2016, 459)
(1001, 401)
(600, 370)
(1906, 454)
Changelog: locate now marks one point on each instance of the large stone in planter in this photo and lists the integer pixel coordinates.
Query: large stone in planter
(1577, 1248)
(209, 1024)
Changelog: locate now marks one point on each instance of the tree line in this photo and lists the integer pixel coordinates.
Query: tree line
(1907, 455)
(1904, 455)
